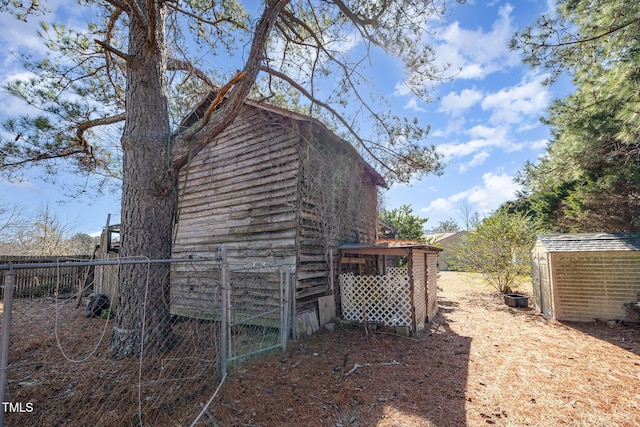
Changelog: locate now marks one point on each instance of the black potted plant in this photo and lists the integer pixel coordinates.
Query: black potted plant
(516, 300)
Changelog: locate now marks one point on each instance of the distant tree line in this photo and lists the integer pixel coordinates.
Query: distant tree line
(40, 234)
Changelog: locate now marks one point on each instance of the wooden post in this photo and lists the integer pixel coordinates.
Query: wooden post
(284, 332)
(332, 272)
(224, 323)
(7, 308)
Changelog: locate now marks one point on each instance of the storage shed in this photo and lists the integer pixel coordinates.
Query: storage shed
(390, 282)
(276, 187)
(587, 277)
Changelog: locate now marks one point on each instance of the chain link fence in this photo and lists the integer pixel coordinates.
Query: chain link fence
(59, 369)
(258, 304)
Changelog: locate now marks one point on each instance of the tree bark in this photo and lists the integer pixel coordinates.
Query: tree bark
(148, 193)
(151, 161)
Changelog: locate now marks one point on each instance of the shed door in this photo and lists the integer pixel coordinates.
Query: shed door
(546, 306)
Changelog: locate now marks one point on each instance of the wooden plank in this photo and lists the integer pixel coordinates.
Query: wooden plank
(351, 260)
(326, 309)
(307, 323)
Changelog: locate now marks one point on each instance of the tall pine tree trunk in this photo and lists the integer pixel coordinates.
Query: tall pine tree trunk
(148, 197)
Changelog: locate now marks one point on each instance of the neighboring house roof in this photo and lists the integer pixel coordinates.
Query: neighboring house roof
(199, 111)
(590, 242)
(441, 237)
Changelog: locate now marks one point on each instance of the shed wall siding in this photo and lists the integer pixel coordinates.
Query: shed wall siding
(419, 282)
(594, 285)
(542, 289)
(266, 188)
(432, 286)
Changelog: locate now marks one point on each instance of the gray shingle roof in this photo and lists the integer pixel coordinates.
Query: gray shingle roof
(590, 242)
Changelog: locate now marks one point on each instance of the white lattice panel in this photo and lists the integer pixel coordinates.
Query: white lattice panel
(384, 299)
(399, 272)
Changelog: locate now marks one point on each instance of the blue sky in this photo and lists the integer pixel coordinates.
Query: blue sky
(485, 121)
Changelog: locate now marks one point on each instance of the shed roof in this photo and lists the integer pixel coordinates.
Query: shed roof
(590, 242)
(388, 247)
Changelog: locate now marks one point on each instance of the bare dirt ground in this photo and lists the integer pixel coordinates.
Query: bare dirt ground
(480, 363)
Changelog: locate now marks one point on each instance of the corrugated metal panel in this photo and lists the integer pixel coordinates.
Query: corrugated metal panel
(595, 286)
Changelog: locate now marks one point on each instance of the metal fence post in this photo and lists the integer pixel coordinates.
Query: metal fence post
(224, 325)
(7, 308)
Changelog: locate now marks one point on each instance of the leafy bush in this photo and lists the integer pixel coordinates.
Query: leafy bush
(498, 249)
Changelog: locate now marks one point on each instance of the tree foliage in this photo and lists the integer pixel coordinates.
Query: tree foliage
(309, 56)
(449, 225)
(589, 179)
(499, 249)
(409, 225)
(42, 233)
(138, 66)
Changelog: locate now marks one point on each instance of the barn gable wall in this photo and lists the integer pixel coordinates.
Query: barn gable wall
(273, 189)
(241, 191)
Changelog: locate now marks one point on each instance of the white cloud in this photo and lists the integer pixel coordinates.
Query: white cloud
(455, 104)
(481, 131)
(21, 186)
(514, 104)
(496, 188)
(483, 138)
(541, 144)
(476, 53)
(464, 149)
(478, 159)
(412, 104)
(401, 89)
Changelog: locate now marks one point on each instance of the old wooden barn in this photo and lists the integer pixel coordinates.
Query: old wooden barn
(276, 187)
(586, 277)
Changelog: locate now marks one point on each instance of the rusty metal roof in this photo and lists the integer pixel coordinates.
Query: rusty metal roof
(383, 245)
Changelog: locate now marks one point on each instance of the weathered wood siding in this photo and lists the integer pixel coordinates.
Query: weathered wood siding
(425, 286)
(241, 191)
(418, 284)
(591, 286)
(432, 285)
(338, 205)
(273, 189)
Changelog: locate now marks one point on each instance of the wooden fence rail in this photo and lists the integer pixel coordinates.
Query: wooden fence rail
(47, 281)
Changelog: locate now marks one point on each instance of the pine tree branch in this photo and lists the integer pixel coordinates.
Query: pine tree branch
(190, 143)
(175, 64)
(113, 50)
